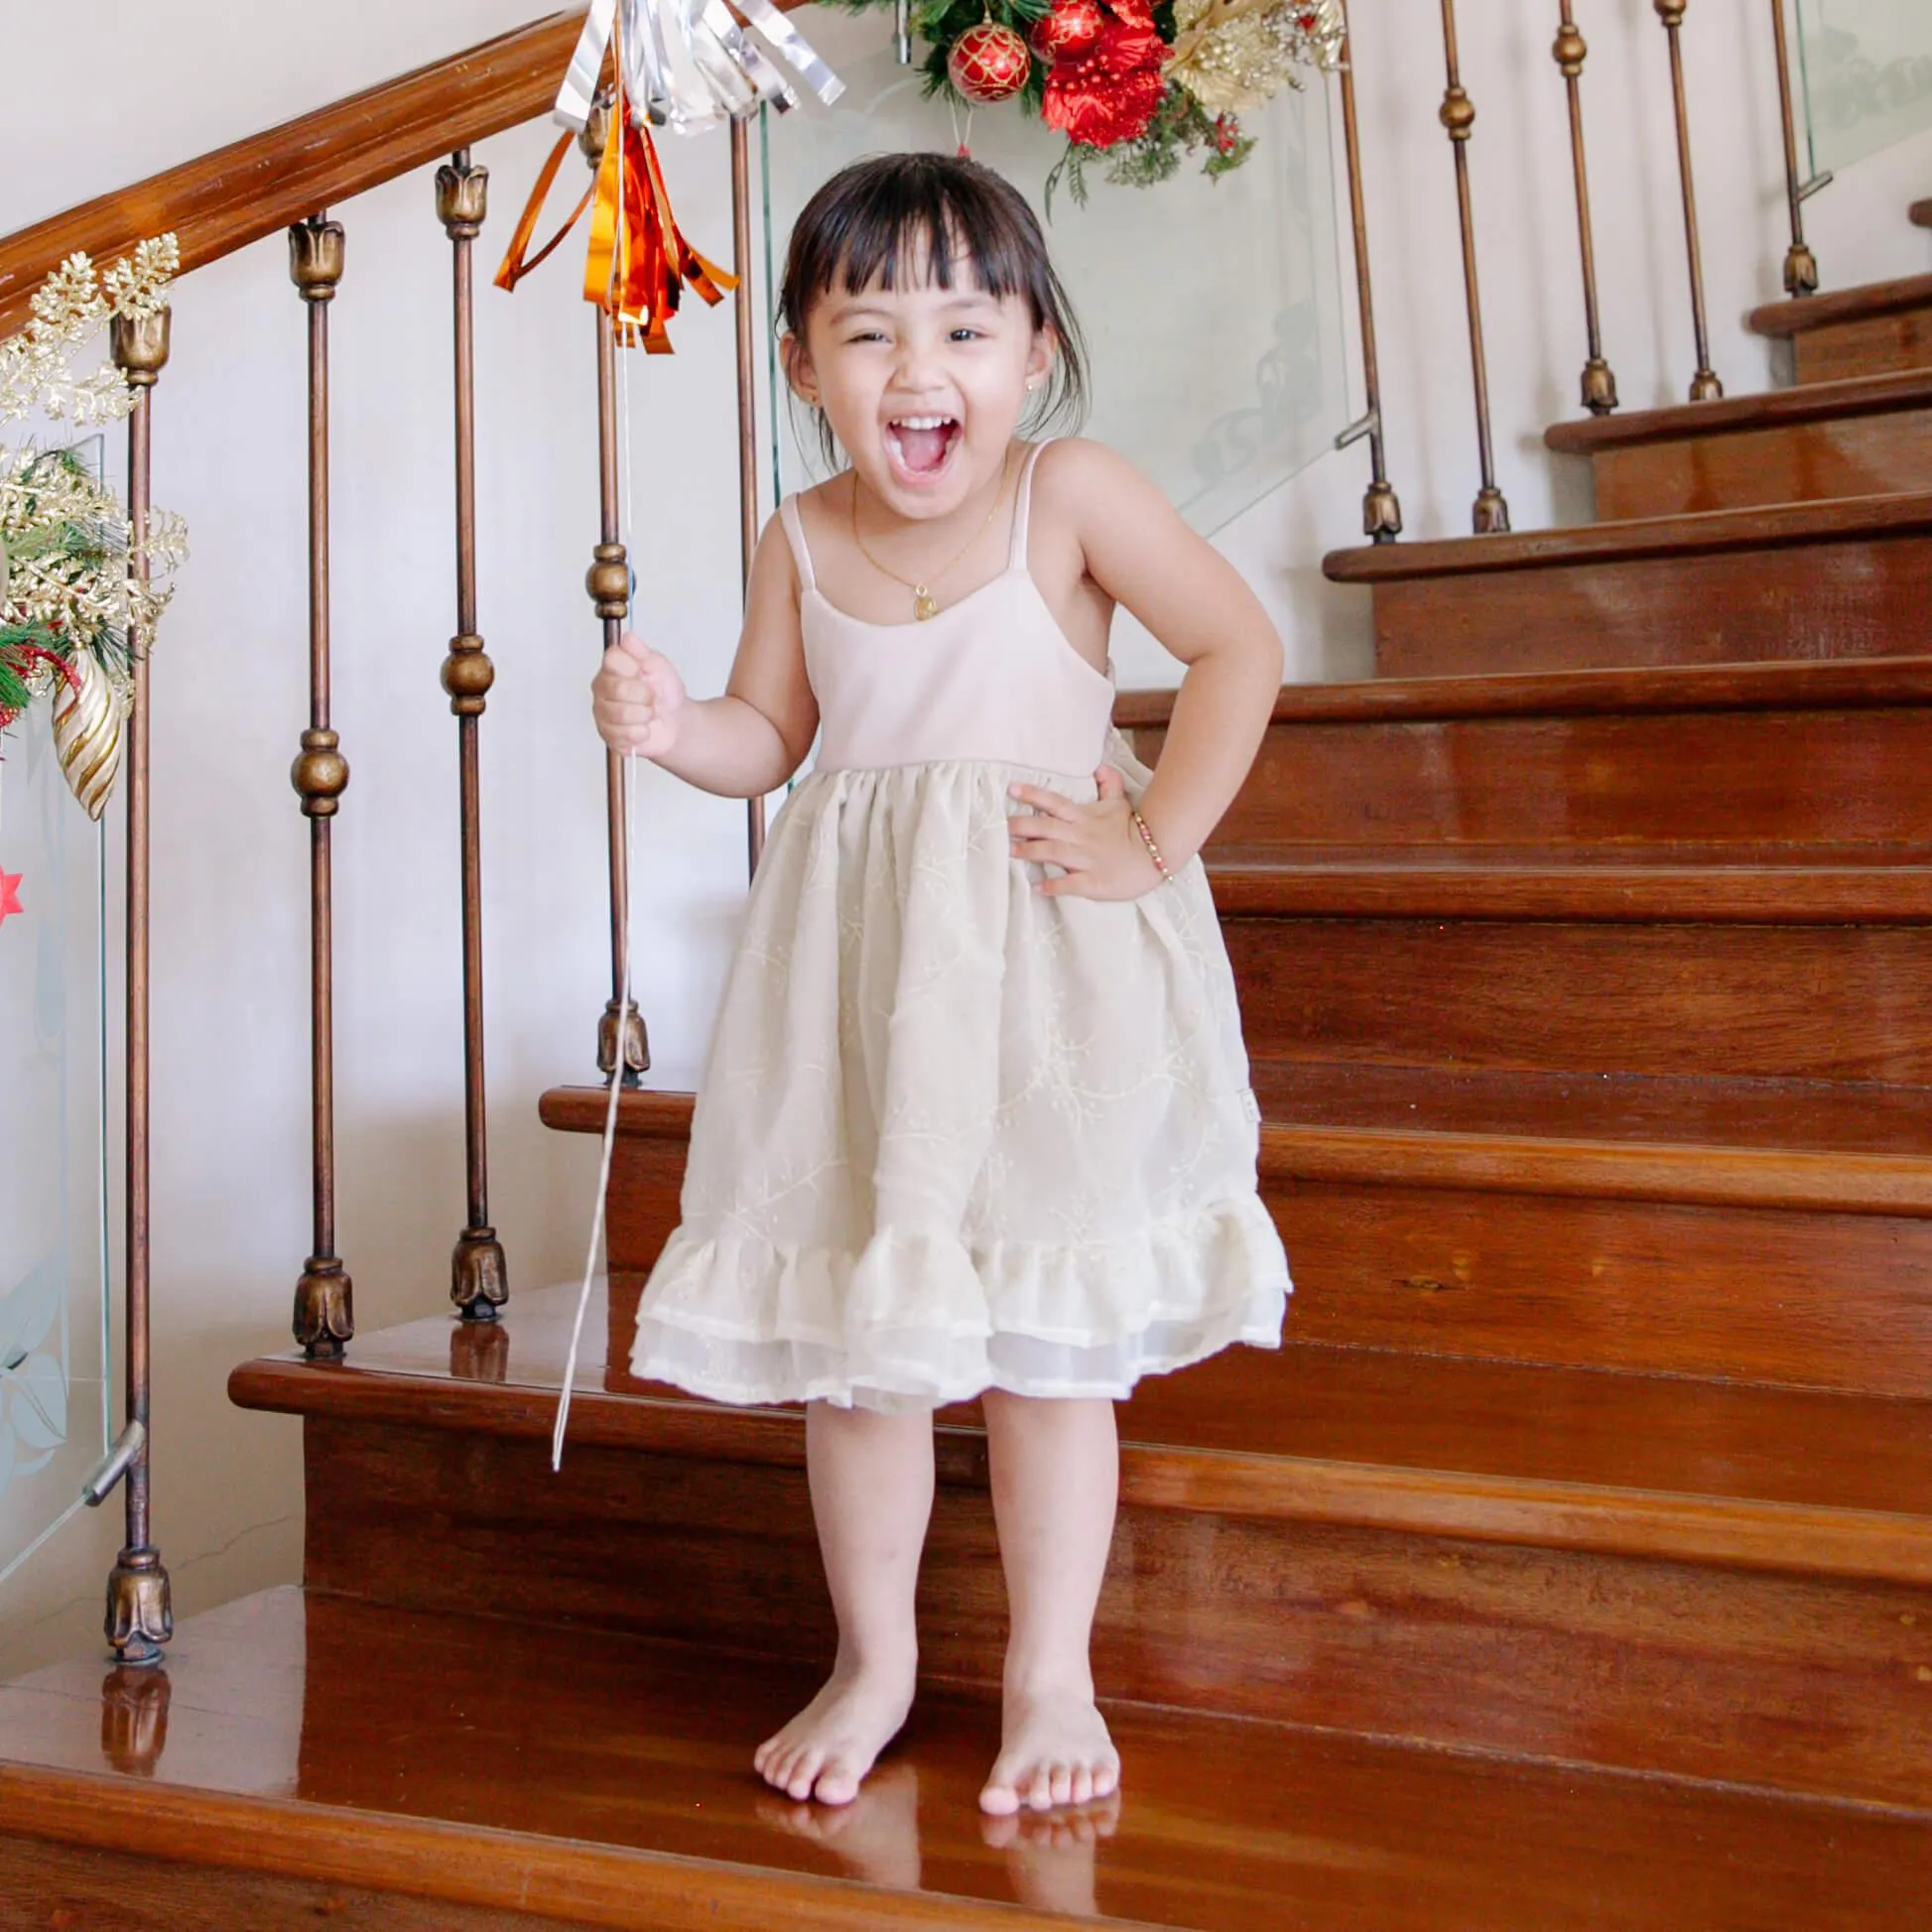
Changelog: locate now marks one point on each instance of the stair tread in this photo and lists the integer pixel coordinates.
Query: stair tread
(529, 1767)
(1815, 684)
(1772, 409)
(1788, 318)
(1503, 1450)
(1636, 539)
(1578, 883)
(1831, 1179)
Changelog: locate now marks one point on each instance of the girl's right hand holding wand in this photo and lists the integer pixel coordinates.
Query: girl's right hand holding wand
(637, 698)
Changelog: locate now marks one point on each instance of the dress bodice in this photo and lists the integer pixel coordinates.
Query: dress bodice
(989, 679)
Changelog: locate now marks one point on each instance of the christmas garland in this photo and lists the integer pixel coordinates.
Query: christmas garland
(67, 597)
(1147, 83)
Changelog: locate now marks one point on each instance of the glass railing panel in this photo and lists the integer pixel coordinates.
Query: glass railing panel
(1213, 309)
(54, 1395)
(1866, 68)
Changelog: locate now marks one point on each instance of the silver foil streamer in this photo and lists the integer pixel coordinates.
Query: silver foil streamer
(690, 65)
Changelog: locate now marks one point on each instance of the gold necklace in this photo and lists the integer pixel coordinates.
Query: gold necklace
(924, 603)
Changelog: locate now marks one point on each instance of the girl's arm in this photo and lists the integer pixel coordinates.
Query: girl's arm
(1134, 544)
(1194, 600)
(747, 742)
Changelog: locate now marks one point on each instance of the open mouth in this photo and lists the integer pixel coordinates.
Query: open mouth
(920, 445)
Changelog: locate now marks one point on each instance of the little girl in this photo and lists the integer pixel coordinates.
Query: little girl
(975, 1120)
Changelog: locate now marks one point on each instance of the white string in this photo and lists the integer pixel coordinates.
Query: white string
(621, 1052)
(609, 1145)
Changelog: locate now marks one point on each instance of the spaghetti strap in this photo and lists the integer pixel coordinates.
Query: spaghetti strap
(794, 527)
(1023, 507)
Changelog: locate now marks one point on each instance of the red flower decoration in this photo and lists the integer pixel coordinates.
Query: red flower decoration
(1109, 94)
(9, 895)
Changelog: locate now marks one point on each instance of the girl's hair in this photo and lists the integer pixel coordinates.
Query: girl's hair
(905, 214)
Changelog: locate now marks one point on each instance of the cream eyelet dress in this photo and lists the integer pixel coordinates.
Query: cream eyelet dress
(953, 1136)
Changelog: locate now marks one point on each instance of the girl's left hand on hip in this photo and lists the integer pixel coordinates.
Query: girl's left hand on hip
(1096, 847)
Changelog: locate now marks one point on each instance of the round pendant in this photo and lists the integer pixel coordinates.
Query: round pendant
(924, 603)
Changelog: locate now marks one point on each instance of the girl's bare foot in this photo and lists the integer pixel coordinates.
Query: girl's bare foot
(1054, 1750)
(826, 1750)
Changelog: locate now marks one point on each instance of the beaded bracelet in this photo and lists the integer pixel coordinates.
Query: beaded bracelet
(1153, 850)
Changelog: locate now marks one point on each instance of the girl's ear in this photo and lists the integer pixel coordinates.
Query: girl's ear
(797, 369)
(1040, 357)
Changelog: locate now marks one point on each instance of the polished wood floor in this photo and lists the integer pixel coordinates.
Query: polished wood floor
(569, 1772)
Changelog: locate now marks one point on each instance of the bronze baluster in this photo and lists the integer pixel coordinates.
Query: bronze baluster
(1599, 381)
(479, 1282)
(1800, 264)
(1382, 513)
(747, 409)
(324, 1321)
(1704, 386)
(621, 1039)
(1491, 513)
(140, 1618)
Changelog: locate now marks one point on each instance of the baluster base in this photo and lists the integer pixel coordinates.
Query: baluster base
(1705, 387)
(1381, 514)
(140, 1609)
(1598, 387)
(479, 1276)
(1800, 271)
(325, 1319)
(636, 1048)
(1490, 517)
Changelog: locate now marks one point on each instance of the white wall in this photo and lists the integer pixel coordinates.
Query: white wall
(229, 1004)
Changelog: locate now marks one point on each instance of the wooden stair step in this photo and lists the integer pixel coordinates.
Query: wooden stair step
(1466, 1609)
(1845, 1177)
(1756, 1476)
(1863, 332)
(1823, 759)
(343, 1745)
(1802, 1268)
(1865, 437)
(1836, 579)
(1509, 884)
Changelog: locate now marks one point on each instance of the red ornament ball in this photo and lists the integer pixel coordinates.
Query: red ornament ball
(988, 63)
(1069, 30)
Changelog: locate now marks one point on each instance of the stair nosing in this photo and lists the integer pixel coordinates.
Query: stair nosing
(1688, 1173)
(1740, 1532)
(1821, 683)
(586, 1880)
(1358, 885)
(1632, 540)
(1848, 398)
(1801, 314)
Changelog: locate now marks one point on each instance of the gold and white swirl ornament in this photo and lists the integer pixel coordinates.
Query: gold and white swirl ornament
(87, 734)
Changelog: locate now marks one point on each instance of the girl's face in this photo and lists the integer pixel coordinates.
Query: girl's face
(923, 386)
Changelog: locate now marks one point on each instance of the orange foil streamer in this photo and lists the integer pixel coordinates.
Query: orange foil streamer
(639, 263)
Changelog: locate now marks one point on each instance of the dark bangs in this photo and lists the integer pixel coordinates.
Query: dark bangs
(897, 218)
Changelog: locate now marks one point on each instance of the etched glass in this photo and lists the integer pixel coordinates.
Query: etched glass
(1213, 309)
(1866, 72)
(53, 1417)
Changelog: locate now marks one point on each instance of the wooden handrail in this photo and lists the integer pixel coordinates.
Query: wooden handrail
(250, 189)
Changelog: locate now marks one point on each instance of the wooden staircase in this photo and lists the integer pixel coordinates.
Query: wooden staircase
(1571, 1563)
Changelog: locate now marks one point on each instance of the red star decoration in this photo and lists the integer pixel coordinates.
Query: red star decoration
(9, 895)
